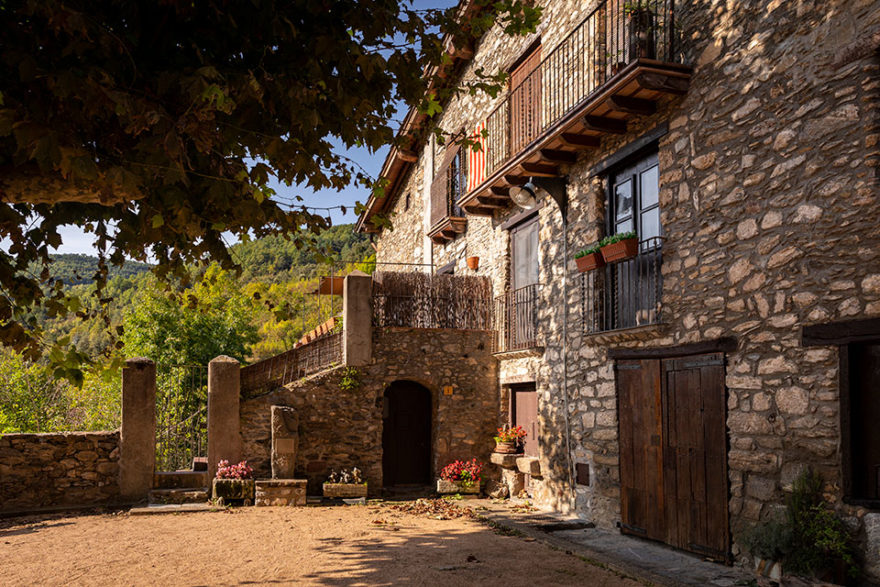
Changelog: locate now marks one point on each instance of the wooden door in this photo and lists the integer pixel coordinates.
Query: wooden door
(864, 413)
(522, 309)
(406, 435)
(673, 452)
(525, 414)
(525, 101)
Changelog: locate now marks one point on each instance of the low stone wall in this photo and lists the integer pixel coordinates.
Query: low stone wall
(341, 428)
(43, 471)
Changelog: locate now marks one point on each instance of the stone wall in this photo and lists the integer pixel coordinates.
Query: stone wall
(343, 428)
(69, 469)
(769, 206)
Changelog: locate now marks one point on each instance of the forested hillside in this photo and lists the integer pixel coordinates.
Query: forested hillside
(255, 315)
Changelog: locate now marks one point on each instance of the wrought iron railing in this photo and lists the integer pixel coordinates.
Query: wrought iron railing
(625, 294)
(615, 34)
(181, 415)
(516, 319)
(418, 300)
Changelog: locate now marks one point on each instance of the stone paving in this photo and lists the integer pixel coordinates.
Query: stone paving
(641, 559)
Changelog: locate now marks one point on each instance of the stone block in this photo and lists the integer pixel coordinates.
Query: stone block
(285, 440)
(502, 460)
(872, 546)
(445, 487)
(234, 490)
(280, 492)
(529, 466)
(345, 490)
(514, 480)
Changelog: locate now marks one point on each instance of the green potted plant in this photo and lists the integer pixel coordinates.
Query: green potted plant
(589, 259)
(460, 477)
(347, 483)
(233, 484)
(640, 27)
(619, 247)
(510, 440)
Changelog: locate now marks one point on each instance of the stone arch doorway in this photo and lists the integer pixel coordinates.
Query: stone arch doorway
(406, 435)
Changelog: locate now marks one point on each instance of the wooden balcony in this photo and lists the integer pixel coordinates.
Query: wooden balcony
(614, 67)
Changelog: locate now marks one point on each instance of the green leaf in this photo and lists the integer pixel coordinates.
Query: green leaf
(158, 221)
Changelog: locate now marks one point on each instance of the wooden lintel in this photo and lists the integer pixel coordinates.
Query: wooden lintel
(663, 83)
(540, 169)
(638, 106)
(513, 180)
(407, 156)
(477, 210)
(448, 233)
(580, 141)
(558, 156)
(604, 124)
(500, 190)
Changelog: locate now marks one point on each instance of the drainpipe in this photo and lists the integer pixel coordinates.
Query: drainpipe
(557, 188)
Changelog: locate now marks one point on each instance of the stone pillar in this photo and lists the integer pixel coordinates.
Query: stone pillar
(137, 437)
(224, 424)
(357, 337)
(285, 437)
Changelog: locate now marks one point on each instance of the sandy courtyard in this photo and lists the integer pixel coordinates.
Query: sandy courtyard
(359, 545)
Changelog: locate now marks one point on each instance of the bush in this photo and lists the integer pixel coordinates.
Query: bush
(809, 539)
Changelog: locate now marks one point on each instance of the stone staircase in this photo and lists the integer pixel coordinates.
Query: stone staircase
(179, 487)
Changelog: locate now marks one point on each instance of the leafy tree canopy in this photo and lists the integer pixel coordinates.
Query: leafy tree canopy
(173, 117)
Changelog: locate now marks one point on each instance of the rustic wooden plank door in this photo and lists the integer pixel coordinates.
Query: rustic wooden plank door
(406, 435)
(641, 454)
(673, 452)
(695, 455)
(525, 414)
(525, 102)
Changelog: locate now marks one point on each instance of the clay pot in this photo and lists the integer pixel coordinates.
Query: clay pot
(473, 263)
(589, 262)
(621, 250)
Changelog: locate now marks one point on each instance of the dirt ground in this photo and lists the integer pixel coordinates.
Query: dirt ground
(352, 545)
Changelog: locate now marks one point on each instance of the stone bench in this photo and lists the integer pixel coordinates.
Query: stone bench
(280, 492)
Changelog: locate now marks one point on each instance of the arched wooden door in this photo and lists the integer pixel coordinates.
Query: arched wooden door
(406, 435)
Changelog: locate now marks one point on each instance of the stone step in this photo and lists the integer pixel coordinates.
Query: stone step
(173, 509)
(180, 480)
(187, 495)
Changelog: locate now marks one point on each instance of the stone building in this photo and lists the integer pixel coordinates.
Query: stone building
(678, 393)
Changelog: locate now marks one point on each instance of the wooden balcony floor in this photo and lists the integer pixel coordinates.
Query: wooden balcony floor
(631, 93)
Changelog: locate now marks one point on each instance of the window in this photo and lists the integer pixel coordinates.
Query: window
(860, 412)
(635, 200)
(447, 189)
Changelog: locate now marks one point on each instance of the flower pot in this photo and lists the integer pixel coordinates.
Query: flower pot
(345, 490)
(234, 491)
(473, 263)
(621, 250)
(590, 262)
(508, 448)
(445, 487)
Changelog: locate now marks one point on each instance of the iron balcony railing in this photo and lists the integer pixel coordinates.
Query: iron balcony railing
(615, 34)
(516, 319)
(625, 294)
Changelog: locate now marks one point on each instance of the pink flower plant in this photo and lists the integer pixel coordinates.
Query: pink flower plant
(465, 472)
(239, 471)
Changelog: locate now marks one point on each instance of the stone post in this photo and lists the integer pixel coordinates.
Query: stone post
(357, 337)
(224, 424)
(137, 437)
(285, 436)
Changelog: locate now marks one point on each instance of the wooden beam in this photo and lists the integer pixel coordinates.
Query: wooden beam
(638, 106)
(463, 52)
(477, 210)
(540, 169)
(606, 125)
(845, 332)
(488, 202)
(663, 83)
(558, 156)
(513, 180)
(719, 345)
(407, 156)
(500, 190)
(580, 141)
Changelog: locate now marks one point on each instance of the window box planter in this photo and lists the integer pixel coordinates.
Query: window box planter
(234, 491)
(589, 262)
(345, 490)
(445, 487)
(621, 250)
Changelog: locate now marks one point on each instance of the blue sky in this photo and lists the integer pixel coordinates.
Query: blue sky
(74, 240)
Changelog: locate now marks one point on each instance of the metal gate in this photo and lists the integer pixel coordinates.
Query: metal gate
(181, 415)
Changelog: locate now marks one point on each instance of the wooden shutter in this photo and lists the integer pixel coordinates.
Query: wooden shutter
(440, 196)
(525, 101)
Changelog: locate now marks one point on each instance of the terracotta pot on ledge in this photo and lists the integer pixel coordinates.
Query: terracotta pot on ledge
(589, 262)
(621, 250)
(508, 448)
(473, 263)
